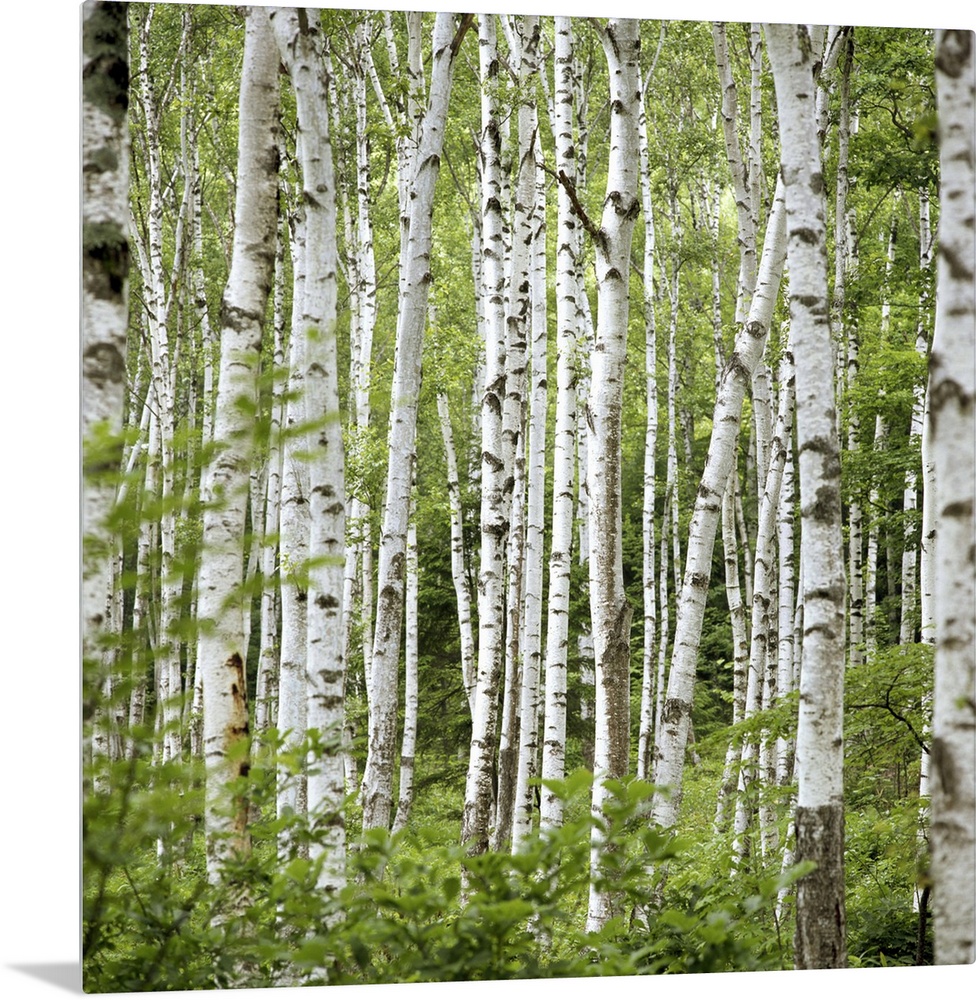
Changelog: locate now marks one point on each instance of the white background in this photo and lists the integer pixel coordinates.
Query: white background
(39, 766)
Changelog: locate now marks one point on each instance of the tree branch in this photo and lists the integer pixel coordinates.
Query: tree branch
(588, 224)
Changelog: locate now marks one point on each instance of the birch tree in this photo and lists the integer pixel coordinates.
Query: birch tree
(459, 574)
(536, 436)
(672, 738)
(410, 684)
(494, 515)
(820, 940)
(298, 42)
(610, 611)
(222, 645)
(105, 260)
(293, 542)
(411, 318)
(564, 465)
(645, 746)
(951, 423)
(105, 256)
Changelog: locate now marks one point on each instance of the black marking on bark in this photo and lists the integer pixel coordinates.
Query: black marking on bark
(960, 508)
(233, 317)
(945, 768)
(943, 391)
(827, 507)
(625, 205)
(737, 368)
(105, 77)
(700, 581)
(834, 593)
(493, 460)
(396, 570)
(806, 235)
(674, 710)
(101, 161)
(106, 250)
(326, 602)
(960, 268)
(954, 52)
(104, 364)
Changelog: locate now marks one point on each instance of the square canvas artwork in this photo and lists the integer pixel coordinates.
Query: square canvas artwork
(528, 496)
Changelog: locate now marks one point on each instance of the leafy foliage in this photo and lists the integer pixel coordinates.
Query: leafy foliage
(417, 909)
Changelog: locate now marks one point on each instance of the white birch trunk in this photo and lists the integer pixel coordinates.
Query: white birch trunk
(458, 563)
(610, 612)
(494, 513)
(159, 309)
(740, 645)
(293, 517)
(910, 615)
(105, 152)
(411, 319)
(672, 739)
(265, 698)
(518, 307)
(785, 659)
(324, 664)
(742, 179)
(645, 740)
(410, 685)
(104, 327)
(584, 642)
(585, 332)
(820, 940)
(222, 645)
(761, 684)
(564, 446)
(952, 371)
(531, 651)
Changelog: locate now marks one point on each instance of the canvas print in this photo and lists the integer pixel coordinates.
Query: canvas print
(528, 496)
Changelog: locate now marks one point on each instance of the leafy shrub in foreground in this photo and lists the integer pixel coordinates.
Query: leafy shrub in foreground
(415, 909)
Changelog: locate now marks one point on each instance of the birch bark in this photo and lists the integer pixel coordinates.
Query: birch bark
(459, 573)
(222, 645)
(410, 684)
(518, 303)
(105, 263)
(293, 517)
(951, 420)
(564, 446)
(610, 612)
(298, 47)
(536, 443)
(494, 513)
(820, 940)
(645, 741)
(411, 318)
(672, 739)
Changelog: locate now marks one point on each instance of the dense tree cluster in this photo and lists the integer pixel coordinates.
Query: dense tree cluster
(426, 364)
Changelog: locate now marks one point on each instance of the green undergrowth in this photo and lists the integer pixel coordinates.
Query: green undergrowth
(417, 907)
